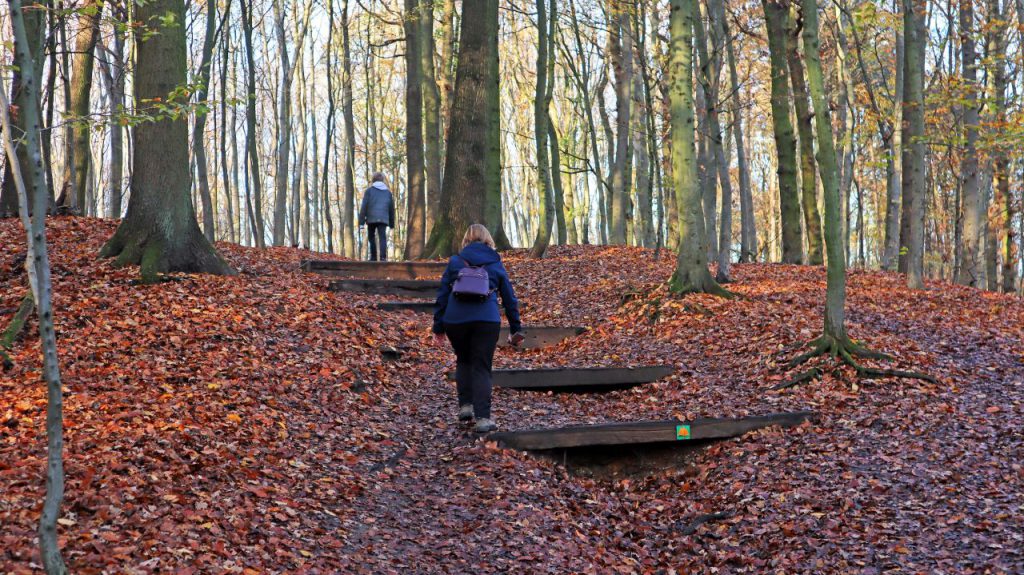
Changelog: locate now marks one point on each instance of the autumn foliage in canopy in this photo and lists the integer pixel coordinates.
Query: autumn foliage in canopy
(249, 424)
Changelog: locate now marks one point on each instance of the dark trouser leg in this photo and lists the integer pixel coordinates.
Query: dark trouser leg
(382, 237)
(474, 345)
(460, 337)
(372, 240)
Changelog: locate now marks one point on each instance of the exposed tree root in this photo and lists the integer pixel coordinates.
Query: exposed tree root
(702, 519)
(845, 350)
(809, 375)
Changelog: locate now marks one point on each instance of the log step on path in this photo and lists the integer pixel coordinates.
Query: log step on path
(401, 270)
(644, 432)
(420, 289)
(581, 380)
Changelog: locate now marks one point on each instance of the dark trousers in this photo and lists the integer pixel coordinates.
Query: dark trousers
(378, 233)
(474, 344)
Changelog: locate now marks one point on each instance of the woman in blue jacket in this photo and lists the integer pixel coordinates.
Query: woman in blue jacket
(472, 327)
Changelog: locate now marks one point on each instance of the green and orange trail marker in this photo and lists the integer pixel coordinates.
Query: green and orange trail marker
(682, 432)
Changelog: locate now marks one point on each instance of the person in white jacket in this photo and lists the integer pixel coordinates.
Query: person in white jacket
(377, 213)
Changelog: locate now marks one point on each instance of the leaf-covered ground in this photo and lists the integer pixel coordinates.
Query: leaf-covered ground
(249, 425)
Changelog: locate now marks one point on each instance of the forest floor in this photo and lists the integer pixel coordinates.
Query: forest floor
(249, 424)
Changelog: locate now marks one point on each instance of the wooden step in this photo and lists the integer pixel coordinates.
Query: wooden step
(541, 336)
(580, 379)
(405, 270)
(574, 379)
(640, 432)
(414, 306)
(426, 289)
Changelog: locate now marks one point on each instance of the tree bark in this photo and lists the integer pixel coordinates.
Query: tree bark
(470, 158)
(199, 130)
(431, 111)
(541, 121)
(969, 271)
(808, 170)
(159, 232)
(81, 91)
(748, 228)
(416, 210)
(691, 273)
(349, 203)
(913, 138)
(32, 189)
(785, 143)
(32, 20)
(835, 292)
(252, 153)
(621, 41)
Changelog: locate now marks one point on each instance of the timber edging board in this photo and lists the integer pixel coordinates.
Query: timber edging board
(666, 431)
(414, 306)
(589, 379)
(426, 289)
(375, 270)
(541, 336)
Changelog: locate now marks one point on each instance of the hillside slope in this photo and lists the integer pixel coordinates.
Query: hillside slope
(249, 425)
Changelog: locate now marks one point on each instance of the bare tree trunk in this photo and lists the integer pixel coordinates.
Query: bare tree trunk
(348, 220)
(748, 228)
(808, 170)
(462, 200)
(969, 272)
(199, 130)
(621, 41)
(785, 143)
(159, 232)
(431, 111)
(256, 205)
(913, 134)
(32, 20)
(416, 214)
(112, 70)
(81, 90)
(37, 264)
(541, 125)
(691, 274)
(894, 191)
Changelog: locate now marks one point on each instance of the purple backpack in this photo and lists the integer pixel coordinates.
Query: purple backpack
(472, 284)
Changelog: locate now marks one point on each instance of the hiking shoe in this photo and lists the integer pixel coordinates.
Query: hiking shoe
(484, 424)
(466, 412)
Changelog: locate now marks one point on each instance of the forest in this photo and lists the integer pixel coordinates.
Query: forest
(805, 216)
(291, 107)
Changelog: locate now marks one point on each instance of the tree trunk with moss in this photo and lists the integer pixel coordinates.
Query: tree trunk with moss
(775, 14)
(808, 179)
(691, 274)
(471, 190)
(159, 231)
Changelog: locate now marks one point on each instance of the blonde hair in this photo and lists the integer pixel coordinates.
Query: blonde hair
(477, 233)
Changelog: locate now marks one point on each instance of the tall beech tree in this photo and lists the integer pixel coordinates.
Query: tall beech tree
(472, 173)
(970, 268)
(159, 231)
(33, 200)
(834, 339)
(912, 224)
(776, 12)
(808, 179)
(81, 94)
(541, 123)
(691, 274)
(416, 215)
